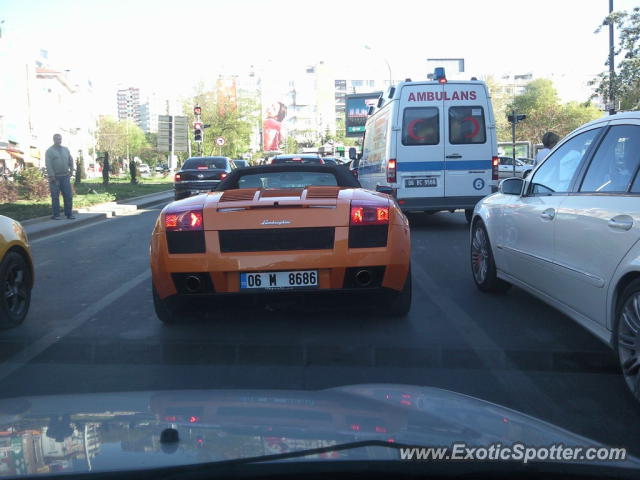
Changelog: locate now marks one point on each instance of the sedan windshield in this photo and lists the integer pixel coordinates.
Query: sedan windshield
(204, 163)
(297, 159)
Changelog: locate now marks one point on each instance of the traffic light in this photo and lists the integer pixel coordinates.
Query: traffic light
(518, 118)
(197, 131)
(197, 110)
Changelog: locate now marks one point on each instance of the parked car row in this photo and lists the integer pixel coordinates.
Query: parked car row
(505, 169)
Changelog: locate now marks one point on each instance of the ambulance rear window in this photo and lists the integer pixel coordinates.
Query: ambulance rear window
(421, 126)
(466, 125)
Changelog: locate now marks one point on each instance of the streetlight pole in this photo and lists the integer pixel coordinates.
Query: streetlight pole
(612, 70)
(367, 47)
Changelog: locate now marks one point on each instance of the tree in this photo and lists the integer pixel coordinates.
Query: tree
(538, 94)
(110, 136)
(291, 146)
(341, 134)
(233, 122)
(626, 83)
(500, 101)
(540, 103)
(135, 138)
(152, 157)
(116, 136)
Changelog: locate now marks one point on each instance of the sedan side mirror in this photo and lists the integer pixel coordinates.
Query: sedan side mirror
(511, 186)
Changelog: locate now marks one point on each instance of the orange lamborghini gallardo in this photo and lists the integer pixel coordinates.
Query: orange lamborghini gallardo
(286, 229)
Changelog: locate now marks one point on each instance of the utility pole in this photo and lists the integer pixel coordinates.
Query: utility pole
(173, 141)
(513, 139)
(127, 136)
(612, 70)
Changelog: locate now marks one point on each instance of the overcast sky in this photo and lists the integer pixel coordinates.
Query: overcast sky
(169, 46)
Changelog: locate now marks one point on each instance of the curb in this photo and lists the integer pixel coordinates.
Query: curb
(93, 214)
(62, 225)
(35, 220)
(148, 200)
(144, 201)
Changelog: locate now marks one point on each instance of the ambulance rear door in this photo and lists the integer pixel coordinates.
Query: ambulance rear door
(467, 140)
(420, 142)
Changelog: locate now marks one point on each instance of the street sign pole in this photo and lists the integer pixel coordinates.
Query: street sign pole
(513, 139)
(514, 119)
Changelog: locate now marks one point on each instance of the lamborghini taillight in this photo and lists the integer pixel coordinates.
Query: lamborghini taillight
(187, 220)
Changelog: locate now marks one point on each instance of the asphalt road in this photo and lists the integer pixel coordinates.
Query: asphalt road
(92, 329)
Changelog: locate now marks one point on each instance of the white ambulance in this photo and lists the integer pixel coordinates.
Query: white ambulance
(432, 145)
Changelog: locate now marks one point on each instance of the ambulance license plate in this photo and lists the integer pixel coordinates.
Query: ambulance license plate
(421, 182)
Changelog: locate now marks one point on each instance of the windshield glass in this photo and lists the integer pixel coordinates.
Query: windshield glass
(286, 180)
(268, 226)
(296, 159)
(207, 163)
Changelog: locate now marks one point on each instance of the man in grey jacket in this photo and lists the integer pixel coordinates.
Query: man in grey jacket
(59, 170)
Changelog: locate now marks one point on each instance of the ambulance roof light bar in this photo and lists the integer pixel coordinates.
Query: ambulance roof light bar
(439, 75)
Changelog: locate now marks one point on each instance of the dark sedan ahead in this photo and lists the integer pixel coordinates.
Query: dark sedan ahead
(200, 174)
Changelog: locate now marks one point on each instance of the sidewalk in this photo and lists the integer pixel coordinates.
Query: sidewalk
(43, 226)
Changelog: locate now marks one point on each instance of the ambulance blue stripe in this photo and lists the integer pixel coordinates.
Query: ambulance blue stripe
(449, 165)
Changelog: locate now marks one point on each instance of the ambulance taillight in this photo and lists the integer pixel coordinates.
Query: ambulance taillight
(391, 170)
(495, 162)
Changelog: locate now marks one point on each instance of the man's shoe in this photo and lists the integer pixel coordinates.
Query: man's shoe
(71, 217)
(55, 217)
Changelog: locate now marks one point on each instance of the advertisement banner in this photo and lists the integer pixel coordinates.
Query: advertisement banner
(226, 94)
(356, 110)
(273, 132)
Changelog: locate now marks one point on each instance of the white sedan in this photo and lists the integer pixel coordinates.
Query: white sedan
(505, 168)
(570, 234)
(144, 169)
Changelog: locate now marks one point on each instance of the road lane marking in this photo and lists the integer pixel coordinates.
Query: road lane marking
(30, 352)
(519, 386)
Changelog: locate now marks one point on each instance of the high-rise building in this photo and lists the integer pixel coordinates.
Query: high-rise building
(311, 105)
(150, 107)
(129, 104)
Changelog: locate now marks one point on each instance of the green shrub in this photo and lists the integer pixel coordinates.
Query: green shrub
(8, 192)
(32, 184)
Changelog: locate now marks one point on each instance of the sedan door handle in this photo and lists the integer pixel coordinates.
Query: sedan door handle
(454, 155)
(621, 222)
(548, 214)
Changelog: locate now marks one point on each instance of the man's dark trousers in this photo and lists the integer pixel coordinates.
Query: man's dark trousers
(63, 185)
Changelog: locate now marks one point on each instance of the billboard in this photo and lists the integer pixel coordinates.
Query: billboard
(356, 108)
(226, 95)
(273, 132)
